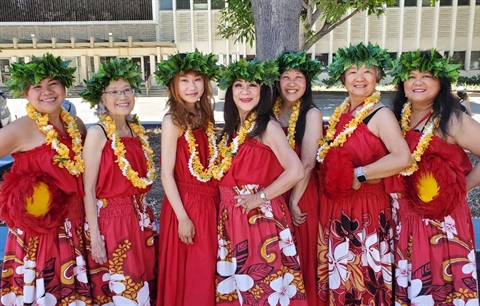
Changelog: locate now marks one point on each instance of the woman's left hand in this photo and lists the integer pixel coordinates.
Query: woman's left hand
(248, 202)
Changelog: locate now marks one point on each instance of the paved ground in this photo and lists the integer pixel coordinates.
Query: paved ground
(152, 109)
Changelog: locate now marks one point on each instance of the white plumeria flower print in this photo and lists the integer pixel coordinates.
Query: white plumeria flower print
(99, 206)
(36, 294)
(28, 270)
(77, 303)
(80, 270)
(338, 264)
(459, 302)
(403, 273)
(222, 250)
(266, 209)
(414, 290)
(144, 221)
(283, 290)
(114, 282)
(448, 226)
(286, 243)
(370, 254)
(471, 267)
(10, 299)
(68, 227)
(386, 260)
(234, 282)
(143, 298)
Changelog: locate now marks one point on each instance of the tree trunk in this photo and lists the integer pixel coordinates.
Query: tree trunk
(276, 26)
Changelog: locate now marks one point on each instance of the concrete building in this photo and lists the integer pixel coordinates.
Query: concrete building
(88, 32)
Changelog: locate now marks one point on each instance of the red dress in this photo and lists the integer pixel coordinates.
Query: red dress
(46, 268)
(126, 224)
(187, 272)
(355, 238)
(306, 234)
(258, 263)
(435, 251)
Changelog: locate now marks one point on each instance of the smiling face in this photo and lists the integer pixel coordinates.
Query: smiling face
(47, 96)
(360, 82)
(292, 85)
(190, 87)
(118, 97)
(246, 96)
(421, 87)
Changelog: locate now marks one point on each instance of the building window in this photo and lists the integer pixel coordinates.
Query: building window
(410, 2)
(166, 5)
(464, 2)
(475, 60)
(445, 2)
(200, 4)
(458, 57)
(219, 4)
(183, 4)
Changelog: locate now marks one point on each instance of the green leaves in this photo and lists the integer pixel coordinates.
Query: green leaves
(300, 61)
(112, 70)
(264, 73)
(39, 68)
(422, 61)
(184, 62)
(370, 55)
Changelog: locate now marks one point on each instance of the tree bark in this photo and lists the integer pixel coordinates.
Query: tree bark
(276, 26)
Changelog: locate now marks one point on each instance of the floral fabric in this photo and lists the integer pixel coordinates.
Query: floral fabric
(435, 258)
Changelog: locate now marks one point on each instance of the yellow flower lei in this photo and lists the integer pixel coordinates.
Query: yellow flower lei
(424, 140)
(327, 142)
(119, 151)
(194, 165)
(292, 122)
(228, 152)
(62, 158)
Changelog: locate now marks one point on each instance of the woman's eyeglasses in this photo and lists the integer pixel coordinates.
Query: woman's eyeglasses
(129, 92)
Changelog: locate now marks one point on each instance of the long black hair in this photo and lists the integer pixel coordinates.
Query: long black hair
(445, 103)
(263, 110)
(305, 105)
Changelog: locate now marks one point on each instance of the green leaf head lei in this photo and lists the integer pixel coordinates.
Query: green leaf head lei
(112, 70)
(185, 62)
(370, 55)
(262, 72)
(300, 61)
(429, 60)
(24, 75)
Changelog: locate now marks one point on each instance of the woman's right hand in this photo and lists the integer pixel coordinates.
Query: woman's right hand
(298, 217)
(186, 230)
(99, 253)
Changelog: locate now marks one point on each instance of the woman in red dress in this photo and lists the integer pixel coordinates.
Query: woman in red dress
(435, 250)
(188, 238)
(302, 121)
(41, 197)
(362, 145)
(257, 261)
(119, 171)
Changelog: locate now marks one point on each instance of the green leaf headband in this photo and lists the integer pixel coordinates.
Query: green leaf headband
(300, 61)
(371, 55)
(183, 62)
(112, 70)
(262, 72)
(24, 75)
(422, 61)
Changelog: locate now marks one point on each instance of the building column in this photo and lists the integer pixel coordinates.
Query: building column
(83, 70)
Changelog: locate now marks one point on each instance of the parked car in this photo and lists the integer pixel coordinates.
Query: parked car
(5, 116)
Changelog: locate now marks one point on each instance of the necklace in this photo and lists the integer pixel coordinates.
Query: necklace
(327, 142)
(292, 122)
(194, 165)
(424, 140)
(62, 158)
(228, 152)
(119, 151)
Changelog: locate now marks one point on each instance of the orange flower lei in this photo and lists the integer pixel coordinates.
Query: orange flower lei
(194, 165)
(119, 151)
(292, 122)
(424, 140)
(62, 158)
(327, 142)
(228, 152)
